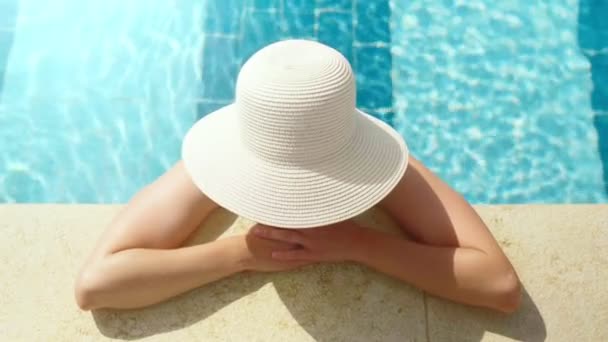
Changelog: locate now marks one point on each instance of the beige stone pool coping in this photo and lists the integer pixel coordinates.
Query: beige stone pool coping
(560, 252)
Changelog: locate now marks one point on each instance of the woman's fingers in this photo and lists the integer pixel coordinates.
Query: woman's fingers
(285, 235)
(293, 255)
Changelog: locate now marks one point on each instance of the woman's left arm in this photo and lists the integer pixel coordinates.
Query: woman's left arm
(461, 274)
(453, 254)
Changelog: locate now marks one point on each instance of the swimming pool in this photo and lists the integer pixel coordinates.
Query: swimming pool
(507, 101)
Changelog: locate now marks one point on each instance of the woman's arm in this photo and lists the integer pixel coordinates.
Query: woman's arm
(139, 277)
(134, 257)
(138, 260)
(453, 254)
(465, 275)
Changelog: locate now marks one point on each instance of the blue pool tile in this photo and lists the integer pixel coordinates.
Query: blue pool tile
(266, 4)
(220, 67)
(204, 108)
(592, 38)
(382, 114)
(373, 71)
(299, 25)
(6, 41)
(336, 30)
(599, 100)
(601, 125)
(600, 58)
(8, 19)
(307, 6)
(21, 186)
(372, 22)
(223, 17)
(344, 5)
(594, 12)
(8, 13)
(259, 30)
(599, 97)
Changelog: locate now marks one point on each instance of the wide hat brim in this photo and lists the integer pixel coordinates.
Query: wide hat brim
(288, 195)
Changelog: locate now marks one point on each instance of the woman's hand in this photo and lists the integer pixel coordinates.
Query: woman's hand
(334, 243)
(257, 253)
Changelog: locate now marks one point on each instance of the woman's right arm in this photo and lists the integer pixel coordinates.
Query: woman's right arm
(140, 277)
(138, 260)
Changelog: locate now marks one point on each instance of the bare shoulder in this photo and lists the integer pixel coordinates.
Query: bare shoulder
(161, 215)
(433, 212)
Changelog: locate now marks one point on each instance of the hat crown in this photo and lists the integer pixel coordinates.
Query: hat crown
(296, 102)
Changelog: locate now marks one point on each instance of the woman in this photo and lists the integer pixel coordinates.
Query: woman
(294, 152)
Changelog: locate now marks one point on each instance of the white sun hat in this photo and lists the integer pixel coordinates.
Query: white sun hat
(293, 151)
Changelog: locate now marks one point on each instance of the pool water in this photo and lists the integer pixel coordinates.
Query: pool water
(507, 101)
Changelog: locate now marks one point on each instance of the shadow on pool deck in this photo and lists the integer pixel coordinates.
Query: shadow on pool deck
(8, 19)
(593, 41)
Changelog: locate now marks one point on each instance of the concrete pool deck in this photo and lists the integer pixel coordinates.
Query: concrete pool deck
(559, 251)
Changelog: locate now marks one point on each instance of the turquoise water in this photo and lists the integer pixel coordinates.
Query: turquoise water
(507, 101)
